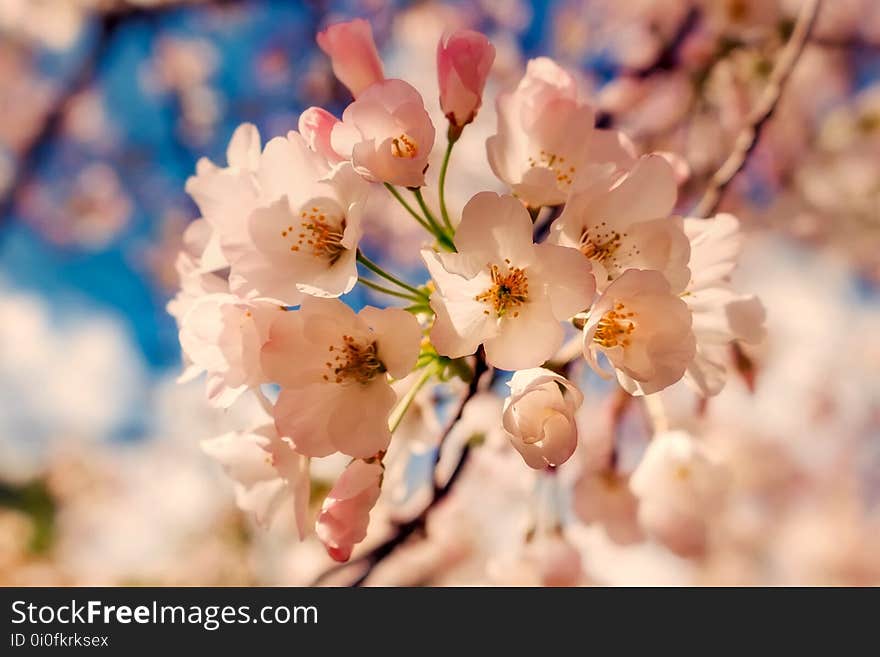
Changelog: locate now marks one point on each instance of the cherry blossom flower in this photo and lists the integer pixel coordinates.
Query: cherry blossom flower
(387, 134)
(267, 472)
(196, 279)
(679, 487)
(304, 239)
(315, 125)
(604, 497)
(502, 290)
(331, 364)
(720, 315)
(285, 222)
(559, 561)
(222, 335)
(353, 54)
(546, 137)
(277, 242)
(345, 514)
(464, 58)
(547, 559)
(194, 284)
(201, 245)
(539, 416)
(601, 494)
(643, 329)
(625, 224)
(226, 195)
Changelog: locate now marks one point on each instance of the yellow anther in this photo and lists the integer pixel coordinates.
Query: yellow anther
(509, 290)
(404, 147)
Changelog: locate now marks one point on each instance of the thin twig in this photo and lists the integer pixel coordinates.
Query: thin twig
(34, 152)
(747, 139)
(668, 57)
(405, 530)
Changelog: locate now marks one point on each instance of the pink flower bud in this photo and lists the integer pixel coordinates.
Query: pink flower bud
(539, 416)
(315, 125)
(464, 58)
(353, 54)
(345, 514)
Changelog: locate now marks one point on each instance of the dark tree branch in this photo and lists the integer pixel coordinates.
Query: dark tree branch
(747, 140)
(542, 227)
(41, 143)
(668, 58)
(403, 531)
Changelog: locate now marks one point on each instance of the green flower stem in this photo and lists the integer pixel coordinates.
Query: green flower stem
(402, 407)
(442, 186)
(376, 269)
(415, 215)
(444, 239)
(379, 288)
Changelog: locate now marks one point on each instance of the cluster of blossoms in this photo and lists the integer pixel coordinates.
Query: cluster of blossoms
(585, 244)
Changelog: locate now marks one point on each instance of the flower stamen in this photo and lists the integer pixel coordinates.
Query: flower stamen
(615, 327)
(353, 362)
(320, 232)
(555, 163)
(510, 290)
(601, 244)
(404, 147)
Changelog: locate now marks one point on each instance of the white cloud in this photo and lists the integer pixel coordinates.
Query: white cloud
(74, 377)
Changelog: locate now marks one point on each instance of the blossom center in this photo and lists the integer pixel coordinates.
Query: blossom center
(509, 290)
(556, 163)
(611, 479)
(869, 123)
(404, 146)
(737, 10)
(320, 231)
(601, 244)
(615, 327)
(353, 362)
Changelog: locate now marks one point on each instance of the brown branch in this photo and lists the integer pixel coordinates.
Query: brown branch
(748, 137)
(403, 531)
(54, 117)
(668, 57)
(108, 23)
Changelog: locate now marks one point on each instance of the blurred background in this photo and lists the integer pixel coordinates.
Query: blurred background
(105, 106)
